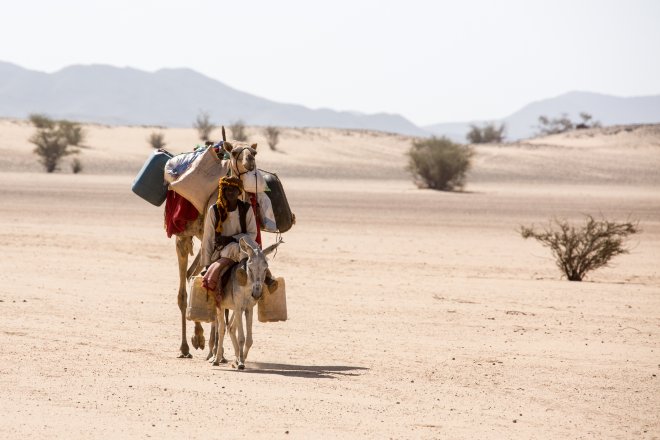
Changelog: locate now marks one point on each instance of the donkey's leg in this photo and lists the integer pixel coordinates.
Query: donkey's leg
(219, 357)
(249, 313)
(241, 340)
(232, 335)
(183, 245)
(213, 341)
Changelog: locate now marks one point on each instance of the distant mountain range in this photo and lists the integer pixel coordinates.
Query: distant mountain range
(608, 110)
(168, 97)
(174, 97)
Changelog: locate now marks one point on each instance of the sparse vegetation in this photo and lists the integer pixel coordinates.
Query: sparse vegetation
(53, 140)
(486, 134)
(272, 136)
(439, 163)
(204, 125)
(156, 140)
(76, 166)
(238, 132)
(579, 250)
(563, 123)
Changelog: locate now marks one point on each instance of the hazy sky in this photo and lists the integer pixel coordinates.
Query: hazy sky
(430, 61)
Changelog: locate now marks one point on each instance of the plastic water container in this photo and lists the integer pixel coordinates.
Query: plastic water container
(201, 302)
(150, 181)
(272, 306)
(281, 209)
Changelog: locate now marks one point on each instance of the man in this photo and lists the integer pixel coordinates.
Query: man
(226, 221)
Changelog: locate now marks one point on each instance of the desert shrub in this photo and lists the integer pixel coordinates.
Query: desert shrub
(563, 123)
(272, 136)
(156, 140)
(238, 132)
(439, 163)
(204, 126)
(76, 166)
(72, 131)
(486, 134)
(579, 250)
(53, 139)
(41, 121)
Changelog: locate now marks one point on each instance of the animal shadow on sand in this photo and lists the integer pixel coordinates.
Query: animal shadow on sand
(308, 371)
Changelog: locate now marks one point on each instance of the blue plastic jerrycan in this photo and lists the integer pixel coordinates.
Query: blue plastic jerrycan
(150, 181)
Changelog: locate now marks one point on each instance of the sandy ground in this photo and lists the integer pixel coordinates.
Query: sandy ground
(413, 313)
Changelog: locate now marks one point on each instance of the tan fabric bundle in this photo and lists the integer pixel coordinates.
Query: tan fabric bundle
(200, 180)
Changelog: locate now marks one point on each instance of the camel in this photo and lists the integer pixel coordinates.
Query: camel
(241, 293)
(242, 160)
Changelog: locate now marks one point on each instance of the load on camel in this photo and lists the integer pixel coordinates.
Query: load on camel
(189, 184)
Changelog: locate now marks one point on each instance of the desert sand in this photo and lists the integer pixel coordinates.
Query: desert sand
(412, 313)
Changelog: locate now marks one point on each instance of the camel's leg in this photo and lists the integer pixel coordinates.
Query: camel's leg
(183, 244)
(213, 342)
(198, 341)
(249, 313)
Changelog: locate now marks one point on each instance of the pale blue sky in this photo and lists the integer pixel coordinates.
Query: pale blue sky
(430, 61)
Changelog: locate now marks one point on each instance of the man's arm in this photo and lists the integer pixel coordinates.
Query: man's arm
(208, 239)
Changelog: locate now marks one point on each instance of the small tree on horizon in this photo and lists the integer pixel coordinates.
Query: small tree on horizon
(238, 132)
(204, 125)
(439, 163)
(272, 136)
(156, 140)
(563, 124)
(53, 139)
(488, 133)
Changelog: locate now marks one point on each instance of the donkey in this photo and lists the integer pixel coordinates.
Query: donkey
(242, 160)
(242, 291)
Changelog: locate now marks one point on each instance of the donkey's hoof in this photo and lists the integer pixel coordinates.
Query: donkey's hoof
(223, 361)
(198, 341)
(185, 356)
(241, 366)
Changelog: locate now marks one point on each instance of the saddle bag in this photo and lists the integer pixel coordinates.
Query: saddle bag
(200, 179)
(272, 306)
(281, 209)
(201, 302)
(150, 183)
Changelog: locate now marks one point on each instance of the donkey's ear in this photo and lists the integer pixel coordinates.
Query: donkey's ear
(227, 146)
(241, 276)
(245, 247)
(253, 146)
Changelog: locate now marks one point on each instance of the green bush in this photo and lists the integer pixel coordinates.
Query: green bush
(438, 163)
(53, 139)
(579, 250)
(486, 134)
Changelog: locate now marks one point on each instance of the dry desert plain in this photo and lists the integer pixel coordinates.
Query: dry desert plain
(413, 313)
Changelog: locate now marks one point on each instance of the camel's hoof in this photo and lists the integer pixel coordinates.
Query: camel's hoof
(210, 357)
(185, 356)
(198, 342)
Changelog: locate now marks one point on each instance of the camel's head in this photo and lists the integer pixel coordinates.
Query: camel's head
(255, 269)
(241, 156)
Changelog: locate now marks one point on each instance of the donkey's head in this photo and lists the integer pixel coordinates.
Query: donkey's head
(255, 270)
(241, 156)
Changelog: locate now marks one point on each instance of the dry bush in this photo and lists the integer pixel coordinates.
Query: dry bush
(563, 123)
(76, 166)
(156, 140)
(204, 126)
(489, 133)
(579, 250)
(53, 139)
(238, 132)
(438, 163)
(272, 136)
